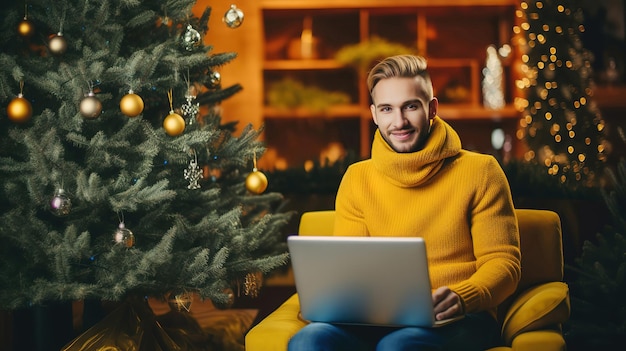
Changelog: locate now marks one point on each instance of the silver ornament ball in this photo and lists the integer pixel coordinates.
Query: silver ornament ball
(90, 106)
(60, 205)
(215, 79)
(191, 38)
(124, 236)
(233, 17)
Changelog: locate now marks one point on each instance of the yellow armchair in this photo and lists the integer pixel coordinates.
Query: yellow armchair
(531, 318)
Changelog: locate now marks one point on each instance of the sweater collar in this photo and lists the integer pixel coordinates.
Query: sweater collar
(415, 168)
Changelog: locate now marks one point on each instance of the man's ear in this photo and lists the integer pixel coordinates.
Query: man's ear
(373, 111)
(433, 107)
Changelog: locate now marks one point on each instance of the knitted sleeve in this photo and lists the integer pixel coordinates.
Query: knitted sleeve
(495, 238)
(349, 219)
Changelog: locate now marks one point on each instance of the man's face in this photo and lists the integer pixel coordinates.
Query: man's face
(403, 111)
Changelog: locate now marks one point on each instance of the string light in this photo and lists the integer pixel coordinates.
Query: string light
(553, 55)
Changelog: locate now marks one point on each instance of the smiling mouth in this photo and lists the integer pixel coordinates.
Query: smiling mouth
(402, 134)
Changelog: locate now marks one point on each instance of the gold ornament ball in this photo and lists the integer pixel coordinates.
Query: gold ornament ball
(131, 104)
(19, 109)
(174, 124)
(90, 106)
(26, 28)
(57, 44)
(256, 182)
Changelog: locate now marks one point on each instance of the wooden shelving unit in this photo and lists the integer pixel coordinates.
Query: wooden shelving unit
(302, 37)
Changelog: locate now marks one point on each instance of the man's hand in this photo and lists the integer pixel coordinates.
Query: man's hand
(447, 303)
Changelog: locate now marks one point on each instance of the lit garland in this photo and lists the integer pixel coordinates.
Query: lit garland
(561, 124)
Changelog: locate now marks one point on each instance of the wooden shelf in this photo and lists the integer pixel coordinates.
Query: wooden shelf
(307, 4)
(333, 64)
(341, 111)
(610, 96)
(287, 65)
(476, 112)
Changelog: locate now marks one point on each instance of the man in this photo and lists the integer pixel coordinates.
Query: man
(420, 182)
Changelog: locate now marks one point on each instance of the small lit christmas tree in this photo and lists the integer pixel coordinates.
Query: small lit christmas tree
(493, 80)
(113, 183)
(561, 124)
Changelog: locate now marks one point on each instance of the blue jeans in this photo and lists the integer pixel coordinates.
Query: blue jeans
(475, 332)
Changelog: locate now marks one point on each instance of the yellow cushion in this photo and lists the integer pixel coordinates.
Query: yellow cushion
(538, 307)
(540, 244)
(317, 223)
(539, 340)
(274, 332)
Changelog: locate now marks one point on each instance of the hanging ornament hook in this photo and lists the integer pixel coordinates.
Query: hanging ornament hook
(165, 19)
(171, 100)
(62, 18)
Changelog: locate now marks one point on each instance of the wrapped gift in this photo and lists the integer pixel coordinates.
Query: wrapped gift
(134, 327)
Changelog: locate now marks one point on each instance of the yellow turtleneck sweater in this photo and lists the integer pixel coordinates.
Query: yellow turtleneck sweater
(458, 201)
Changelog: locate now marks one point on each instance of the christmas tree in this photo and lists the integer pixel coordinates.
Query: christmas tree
(598, 318)
(113, 183)
(561, 124)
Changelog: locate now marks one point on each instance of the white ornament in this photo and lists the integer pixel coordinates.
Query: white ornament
(190, 110)
(193, 174)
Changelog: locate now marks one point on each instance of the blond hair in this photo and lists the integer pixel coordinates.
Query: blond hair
(403, 66)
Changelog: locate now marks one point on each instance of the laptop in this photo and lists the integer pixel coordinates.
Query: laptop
(363, 280)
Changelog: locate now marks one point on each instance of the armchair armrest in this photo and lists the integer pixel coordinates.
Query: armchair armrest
(273, 332)
(543, 306)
